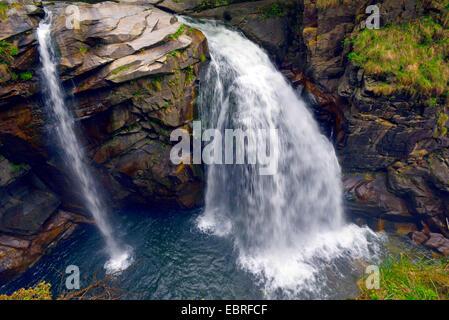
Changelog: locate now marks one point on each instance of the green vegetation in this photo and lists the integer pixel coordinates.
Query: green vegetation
(26, 76)
(190, 74)
(441, 125)
(179, 32)
(433, 102)
(99, 289)
(403, 279)
(155, 84)
(131, 127)
(4, 7)
(17, 166)
(274, 10)
(7, 52)
(324, 4)
(409, 58)
(176, 52)
(213, 4)
(3, 10)
(41, 291)
(121, 68)
(83, 50)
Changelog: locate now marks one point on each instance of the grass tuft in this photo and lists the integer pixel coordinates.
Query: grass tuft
(403, 279)
(409, 58)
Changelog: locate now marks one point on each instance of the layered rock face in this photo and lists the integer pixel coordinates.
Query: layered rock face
(131, 76)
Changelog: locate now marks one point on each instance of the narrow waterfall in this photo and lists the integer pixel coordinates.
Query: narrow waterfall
(71, 148)
(286, 227)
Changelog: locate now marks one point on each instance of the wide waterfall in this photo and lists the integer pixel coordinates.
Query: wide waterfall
(71, 148)
(289, 228)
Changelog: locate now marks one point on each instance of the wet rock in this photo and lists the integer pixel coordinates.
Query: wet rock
(419, 237)
(438, 242)
(17, 253)
(20, 18)
(25, 202)
(367, 196)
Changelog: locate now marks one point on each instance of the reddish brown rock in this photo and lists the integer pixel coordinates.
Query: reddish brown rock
(419, 237)
(439, 243)
(19, 253)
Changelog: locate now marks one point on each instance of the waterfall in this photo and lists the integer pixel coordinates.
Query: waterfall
(71, 148)
(289, 229)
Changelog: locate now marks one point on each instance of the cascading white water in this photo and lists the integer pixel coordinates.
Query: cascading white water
(288, 228)
(71, 148)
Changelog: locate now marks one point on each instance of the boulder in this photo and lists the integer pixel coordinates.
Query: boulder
(439, 242)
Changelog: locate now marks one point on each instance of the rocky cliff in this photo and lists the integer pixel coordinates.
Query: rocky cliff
(131, 76)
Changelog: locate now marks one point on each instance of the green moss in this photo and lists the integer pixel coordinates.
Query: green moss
(83, 50)
(3, 10)
(208, 4)
(120, 69)
(155, 84)
(17, 166)
(4, 7)
(176, 52)
(433, 102)
(441, 125)
(132, 127)
(26, 76)
(190, 74)
(179, 32)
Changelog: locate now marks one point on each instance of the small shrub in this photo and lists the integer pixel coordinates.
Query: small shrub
(41, 291)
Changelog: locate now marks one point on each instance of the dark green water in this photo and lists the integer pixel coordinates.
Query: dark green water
(172, 260)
